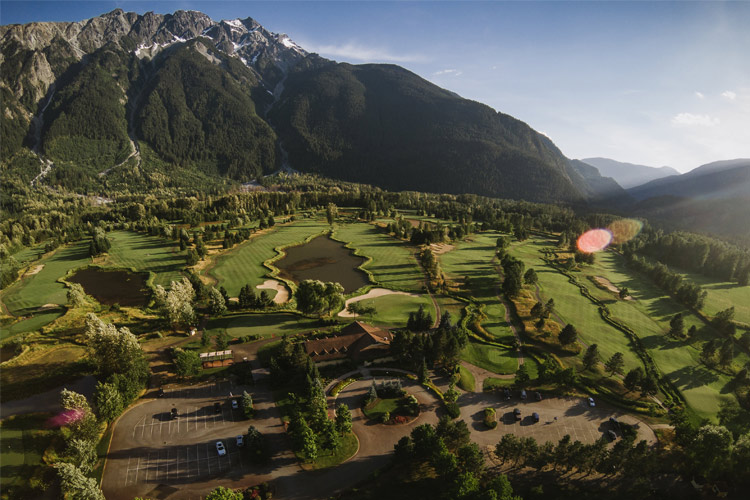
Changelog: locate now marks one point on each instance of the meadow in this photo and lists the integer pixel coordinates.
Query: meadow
(239, 325)
(243, 264)
(722, 295)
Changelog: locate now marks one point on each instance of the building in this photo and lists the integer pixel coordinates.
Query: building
(357, 342)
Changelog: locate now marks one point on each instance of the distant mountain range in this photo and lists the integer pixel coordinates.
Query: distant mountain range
(125, 96)
(629, 175)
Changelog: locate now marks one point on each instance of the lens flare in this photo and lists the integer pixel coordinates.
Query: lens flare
(594, 240)
(624, 230)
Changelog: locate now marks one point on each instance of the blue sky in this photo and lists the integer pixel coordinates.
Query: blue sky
(656, 83)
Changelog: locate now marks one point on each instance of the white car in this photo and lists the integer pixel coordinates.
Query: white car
(591, 402)
(240, 441)
(220, 448)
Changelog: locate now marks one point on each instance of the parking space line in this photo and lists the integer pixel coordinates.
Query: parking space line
(208, 463)
(137, 470)
(197, 460)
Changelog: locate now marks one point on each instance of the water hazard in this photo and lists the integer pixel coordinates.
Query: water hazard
(113, 286)
(323, 259)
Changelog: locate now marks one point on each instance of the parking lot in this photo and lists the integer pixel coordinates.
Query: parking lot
(150, 447)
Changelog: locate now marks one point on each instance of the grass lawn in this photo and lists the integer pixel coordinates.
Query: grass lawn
(43, 369)
(32, 292)
(27, 255)
(145, 253)
(471, 264)
(393, 310)
(491, 358)
(24, 439)
(393, 263)
(466, 379)
(571, 306)
(348, 446)
(33, 323)
(492, 383)
(240, 325)
(243, 264)
(376, 409)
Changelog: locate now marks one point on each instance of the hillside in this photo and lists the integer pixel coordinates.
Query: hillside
(629, 175)
(124, 97)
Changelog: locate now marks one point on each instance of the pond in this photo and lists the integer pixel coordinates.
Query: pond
(113, 286)
(323, 259)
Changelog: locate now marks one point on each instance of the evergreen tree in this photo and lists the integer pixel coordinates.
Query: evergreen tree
(568, 335)
(591, 357)
(615, 363)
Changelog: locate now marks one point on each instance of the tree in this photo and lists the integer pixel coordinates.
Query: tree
(615, 363)
(591, 357)
(522, 375)
(192, 257)
(187, 363)
(633, 378)
(75, 484)
(648, 386)
(537, 310)
(306, 442)
(113, 350)
(624, 292)
(222, 493)
(82, 452)
(108, 401)
(568, 335)
(100, 244)
(343, 419)
(423, 374)
(711, 450)
(315, 297)
(530, 277)
(216, 303)
(332, 212)
(221, 342)
(247, 404)
(677, 326)
(76, 295)
(177, 304)
(726, 354)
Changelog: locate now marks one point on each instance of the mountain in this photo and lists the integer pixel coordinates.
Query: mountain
(629, 175)
(600, 189)
(713, 198)
(150, 100)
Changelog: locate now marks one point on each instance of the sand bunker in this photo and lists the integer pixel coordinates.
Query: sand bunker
(441, 248)
(372, 294)
(282, 295)
(34, 270)
(609, 286)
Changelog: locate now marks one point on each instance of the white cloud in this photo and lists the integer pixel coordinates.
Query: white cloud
(689, 120)
(699, 95)
(453, 72)
(360, 53)
(728, 94)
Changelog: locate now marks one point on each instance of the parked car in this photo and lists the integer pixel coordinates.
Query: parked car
(217, 407)
(591, 402)
(517, 414)
(506, 391)
(174, 413)
(611, 435)
(220, 448)
(240, 441)
(536, 416)
(523, 393)
(235, 405)
(538, 396)
(161, 392)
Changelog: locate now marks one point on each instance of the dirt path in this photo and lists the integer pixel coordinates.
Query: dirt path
(480, 374)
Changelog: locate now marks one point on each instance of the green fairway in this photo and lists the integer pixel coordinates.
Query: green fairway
(648, 315)
(33, 323)
(240, 325)
(32, 292)
(393, 310)
(27, 255)
(494, 359)
(244, 264)
(471, 263)
(722, 295)
(571, 306)
(466, 379)
(393, 263)
(142, 252)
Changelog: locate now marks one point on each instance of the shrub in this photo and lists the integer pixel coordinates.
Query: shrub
(489, 418)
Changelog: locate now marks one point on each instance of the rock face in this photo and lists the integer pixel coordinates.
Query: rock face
(230, 99)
